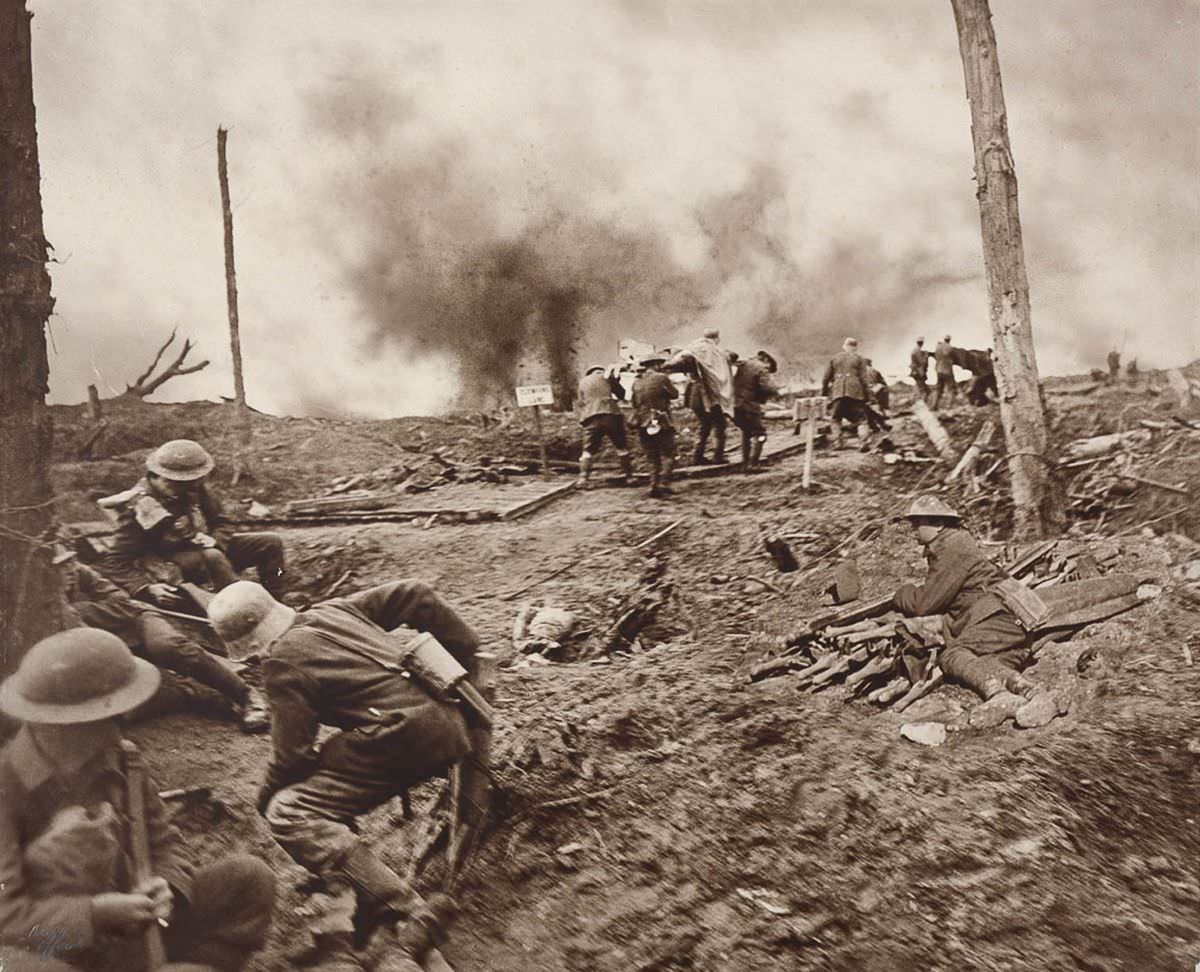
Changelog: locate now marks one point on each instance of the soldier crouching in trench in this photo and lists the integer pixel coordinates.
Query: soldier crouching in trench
(69, 898)
(338, 664)
(986, 646)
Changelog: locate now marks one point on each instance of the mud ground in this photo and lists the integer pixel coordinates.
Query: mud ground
(728, 825)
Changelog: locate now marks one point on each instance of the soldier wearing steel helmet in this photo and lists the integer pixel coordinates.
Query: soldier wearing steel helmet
(338, 664)
(173, 514)
(986, 646)
(68, 900)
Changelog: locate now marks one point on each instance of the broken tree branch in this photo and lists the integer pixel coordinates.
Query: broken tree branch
(145, 385)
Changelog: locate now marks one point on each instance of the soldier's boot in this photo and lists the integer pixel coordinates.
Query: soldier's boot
(756, 451)
(719, 445)
(746, 450)
(585, 470)
(864, 436)
(412, 940)
(654, 491)
(626, 467)
(839, 434)
(385, 898)
(984, 675)
(668, 466)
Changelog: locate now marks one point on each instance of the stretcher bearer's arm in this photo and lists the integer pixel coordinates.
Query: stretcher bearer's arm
(416, 605)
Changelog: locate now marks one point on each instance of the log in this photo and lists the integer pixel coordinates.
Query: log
(774, 666)
(1038, 552)
(1066, 598)
(859, 612)
(934, 429)
(871, 634)
(879, 665)
(971, 456)
(1102, 445)
(1091, 613)
(893, 690)
(932, 681)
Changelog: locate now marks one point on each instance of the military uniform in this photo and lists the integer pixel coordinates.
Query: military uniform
(652, 395)
(98, 603)
(601, 418)
(918, 369)
(943, 356)
(983, 638)
(221, 912)
(339, 666)
(846, 383)
(752, 387)
(151, 523)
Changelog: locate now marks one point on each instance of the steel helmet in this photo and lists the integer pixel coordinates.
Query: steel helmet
(931, 507)
(248, 619)
(181, 460)
(77, 675)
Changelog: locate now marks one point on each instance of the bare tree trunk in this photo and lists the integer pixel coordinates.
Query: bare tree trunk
(29, 590)
(1038, 508)
(235, 338)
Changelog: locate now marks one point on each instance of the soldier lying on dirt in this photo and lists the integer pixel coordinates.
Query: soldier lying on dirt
(337, 665)
(98, 603)
(986, 646)
(171, 513)
(68, 896)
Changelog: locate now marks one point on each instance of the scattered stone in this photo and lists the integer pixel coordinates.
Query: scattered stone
(925, 733)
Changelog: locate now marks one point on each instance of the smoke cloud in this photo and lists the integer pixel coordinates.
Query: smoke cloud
(423, 193)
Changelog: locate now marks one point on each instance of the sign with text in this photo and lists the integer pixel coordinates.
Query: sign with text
(534, 395)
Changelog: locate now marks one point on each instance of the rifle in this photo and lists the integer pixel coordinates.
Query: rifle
(139, 846)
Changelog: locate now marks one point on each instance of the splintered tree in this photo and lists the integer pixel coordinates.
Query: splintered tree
(147, 382)
(1038, 509)
(29, 592)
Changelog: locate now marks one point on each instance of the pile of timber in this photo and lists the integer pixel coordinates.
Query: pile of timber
(1104, 472)
(890, 660)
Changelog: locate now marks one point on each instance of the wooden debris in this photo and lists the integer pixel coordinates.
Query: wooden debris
(971, 456)
(933, 428)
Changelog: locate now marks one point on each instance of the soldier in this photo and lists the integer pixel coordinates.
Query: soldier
(711, 394)
(918, 368)
(879, 390)
(986, 646)
(98, 603)
(752, 388)
(943, 356)
(601, 418)
(983, 376)
(172, 514)
(846, 383)
(652, 395)
(1114, 366)
(338, 665)
(68, 900)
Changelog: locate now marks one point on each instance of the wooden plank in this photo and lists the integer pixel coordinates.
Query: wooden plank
(520, 509)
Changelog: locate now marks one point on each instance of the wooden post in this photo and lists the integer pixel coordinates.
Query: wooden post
(242, 418)
(971, 456)
(94, 410)
(810, 436)
(1038, 506)
(537, 424)
(30, 605)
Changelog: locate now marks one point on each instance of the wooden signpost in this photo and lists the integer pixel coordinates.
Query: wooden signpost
(536, 396)
(808, 410)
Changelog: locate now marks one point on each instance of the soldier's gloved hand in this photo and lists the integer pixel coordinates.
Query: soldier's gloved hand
(122, 914)
(204, 540)
(164, 595)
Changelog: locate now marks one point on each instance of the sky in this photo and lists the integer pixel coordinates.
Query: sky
(423, 189)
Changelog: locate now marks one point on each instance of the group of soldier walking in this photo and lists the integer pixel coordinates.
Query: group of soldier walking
(719, 384)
